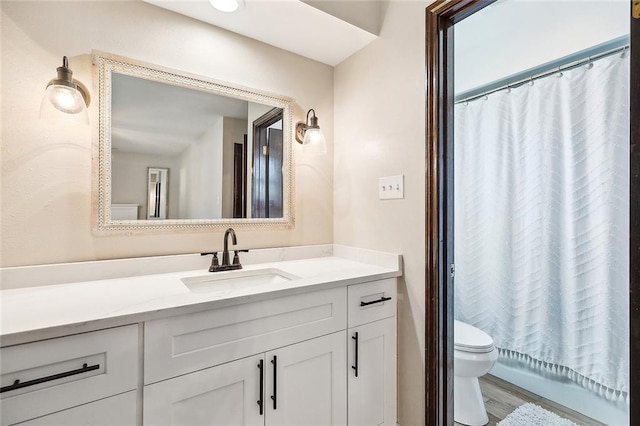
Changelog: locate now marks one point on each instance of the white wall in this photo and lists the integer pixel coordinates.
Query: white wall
(46, 166)
(379, 131)
(201, 182)
(512, 36)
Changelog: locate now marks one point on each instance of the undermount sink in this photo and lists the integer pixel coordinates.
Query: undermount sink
(206, 283)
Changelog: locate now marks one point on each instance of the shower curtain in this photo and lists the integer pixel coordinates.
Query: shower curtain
(541, 222)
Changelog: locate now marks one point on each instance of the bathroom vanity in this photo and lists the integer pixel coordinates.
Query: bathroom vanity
(298, 336)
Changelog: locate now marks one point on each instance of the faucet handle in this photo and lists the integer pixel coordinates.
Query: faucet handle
(236, 258)
(214, 261)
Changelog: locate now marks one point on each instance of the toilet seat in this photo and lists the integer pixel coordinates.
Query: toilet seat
(468, 338)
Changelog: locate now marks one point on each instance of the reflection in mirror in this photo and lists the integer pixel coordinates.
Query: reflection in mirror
(267, 165)
(157, 181)
(189, 152)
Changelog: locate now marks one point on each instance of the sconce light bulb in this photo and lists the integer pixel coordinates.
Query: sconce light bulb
(226, 6)
(314, 142)
(65, 99)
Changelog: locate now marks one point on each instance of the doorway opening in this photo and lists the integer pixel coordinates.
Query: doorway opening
(440, 207)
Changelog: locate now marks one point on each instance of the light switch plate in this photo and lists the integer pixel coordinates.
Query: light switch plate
(391, 187)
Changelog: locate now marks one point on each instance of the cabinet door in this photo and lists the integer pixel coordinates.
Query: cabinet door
(226, 395)
(114, 411)
(372, 393)
(307, 383)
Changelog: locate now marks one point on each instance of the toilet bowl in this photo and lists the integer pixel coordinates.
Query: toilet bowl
(473, 356)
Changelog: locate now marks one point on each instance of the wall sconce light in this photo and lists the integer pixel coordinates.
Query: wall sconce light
(66, 94)
(310, 135)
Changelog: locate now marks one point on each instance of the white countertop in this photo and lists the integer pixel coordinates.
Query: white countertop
(46, 311)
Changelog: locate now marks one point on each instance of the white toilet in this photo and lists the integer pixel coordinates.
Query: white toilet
(474, 355)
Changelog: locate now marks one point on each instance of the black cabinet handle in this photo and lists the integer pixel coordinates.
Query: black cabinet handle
(274, 361)
(355, 367)
(17, 385)
(382, 299)
(260, 401)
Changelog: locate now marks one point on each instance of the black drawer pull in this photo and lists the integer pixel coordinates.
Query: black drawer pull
(355, 367)
(18, 385)
(382, 299)
(274, 397)
(260, 401)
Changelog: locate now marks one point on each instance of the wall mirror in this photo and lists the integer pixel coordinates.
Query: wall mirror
(179, 152)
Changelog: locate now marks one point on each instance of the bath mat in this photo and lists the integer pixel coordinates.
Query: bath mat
(533, 415)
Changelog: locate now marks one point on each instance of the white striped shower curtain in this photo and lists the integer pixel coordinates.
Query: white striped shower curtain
(541, 222)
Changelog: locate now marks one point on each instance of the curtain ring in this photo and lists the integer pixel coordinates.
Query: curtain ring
(531, 81)
(559, 74)
(485, 97)
(624, 52)
(589, 64)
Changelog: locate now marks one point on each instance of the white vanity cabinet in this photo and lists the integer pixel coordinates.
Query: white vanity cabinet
(282, 361)
(299, 339)
(304, 383)
(372, 354)
(266, 360)
(52, 376)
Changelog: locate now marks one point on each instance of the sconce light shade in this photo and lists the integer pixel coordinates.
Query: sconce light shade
(65, 93)
(227, 6)
(310, 135)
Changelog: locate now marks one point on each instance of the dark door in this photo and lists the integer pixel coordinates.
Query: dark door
(266, 188)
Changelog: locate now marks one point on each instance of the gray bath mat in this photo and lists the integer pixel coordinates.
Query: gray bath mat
(533, 415)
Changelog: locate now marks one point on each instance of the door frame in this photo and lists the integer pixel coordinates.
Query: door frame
(440, 18)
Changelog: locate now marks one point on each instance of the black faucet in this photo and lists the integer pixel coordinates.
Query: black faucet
(225, 253)
(226, 266)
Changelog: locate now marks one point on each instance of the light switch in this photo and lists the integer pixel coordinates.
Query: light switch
(391, 187)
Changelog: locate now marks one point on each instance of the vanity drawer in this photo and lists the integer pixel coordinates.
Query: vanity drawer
(66, 372)
(119, 410)
(372, 301)
(186, 343)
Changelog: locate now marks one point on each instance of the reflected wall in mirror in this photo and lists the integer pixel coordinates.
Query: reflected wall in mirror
(191, 152)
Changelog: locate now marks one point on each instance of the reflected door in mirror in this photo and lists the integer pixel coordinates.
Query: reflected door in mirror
(266, 192)
(158, 182)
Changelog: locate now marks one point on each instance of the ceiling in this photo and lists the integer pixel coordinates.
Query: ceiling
(326, 31)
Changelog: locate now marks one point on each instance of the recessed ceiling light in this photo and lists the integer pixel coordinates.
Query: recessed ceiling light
(225, 5)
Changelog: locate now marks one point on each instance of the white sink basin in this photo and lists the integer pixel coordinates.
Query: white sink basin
(238, 278)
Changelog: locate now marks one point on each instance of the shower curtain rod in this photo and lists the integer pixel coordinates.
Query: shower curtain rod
(575, 60)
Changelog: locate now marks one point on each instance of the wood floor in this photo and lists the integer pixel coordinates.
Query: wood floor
(501, 398)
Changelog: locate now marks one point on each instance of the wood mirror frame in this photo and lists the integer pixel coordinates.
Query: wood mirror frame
(440, 18)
